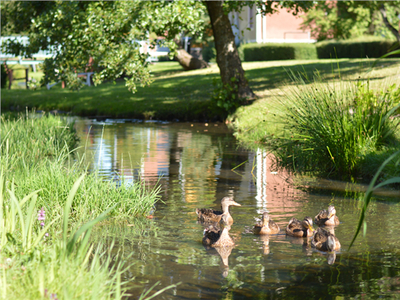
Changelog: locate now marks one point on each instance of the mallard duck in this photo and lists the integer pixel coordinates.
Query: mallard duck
(267, 226)
(327, 217)
(323, 240)
(214, 216)
(299, 228)
(215, 237)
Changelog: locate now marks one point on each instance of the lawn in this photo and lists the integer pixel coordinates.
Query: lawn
(184, 95)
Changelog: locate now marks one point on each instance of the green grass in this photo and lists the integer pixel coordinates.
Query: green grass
(38, 171)
(339, 128)
(178, 94)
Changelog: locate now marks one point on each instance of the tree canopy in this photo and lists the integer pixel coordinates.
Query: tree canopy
(349, 19)
(108, 33)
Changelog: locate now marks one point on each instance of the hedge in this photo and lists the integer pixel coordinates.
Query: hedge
(270, 51)
(352, 49)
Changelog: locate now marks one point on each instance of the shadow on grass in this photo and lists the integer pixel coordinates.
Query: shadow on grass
(185, 97)
(278, 76)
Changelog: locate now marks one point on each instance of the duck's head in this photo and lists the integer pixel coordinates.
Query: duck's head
(307, 223)
(331, 211)
(228, 201)
(265, 219)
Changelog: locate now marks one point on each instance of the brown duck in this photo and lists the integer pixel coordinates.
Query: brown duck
(207, 215)
(267, 226)
(327, 217)
(323, 240)
(299, 228)
(215, 237)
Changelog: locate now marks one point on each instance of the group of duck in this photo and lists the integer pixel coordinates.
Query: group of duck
(218, 223)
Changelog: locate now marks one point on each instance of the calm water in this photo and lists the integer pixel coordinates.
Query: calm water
(198, 165)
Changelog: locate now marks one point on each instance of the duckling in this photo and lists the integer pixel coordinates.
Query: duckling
(213, 216)
(327, 217)
(299, 228)
(323, 240)
(267, 226)
(218, 238)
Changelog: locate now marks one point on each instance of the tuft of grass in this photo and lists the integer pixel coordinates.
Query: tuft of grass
(328, 129)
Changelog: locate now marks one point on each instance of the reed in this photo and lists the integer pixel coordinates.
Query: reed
(395, 157)
(329, 129)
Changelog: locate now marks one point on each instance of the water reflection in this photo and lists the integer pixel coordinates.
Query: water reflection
(201, 167)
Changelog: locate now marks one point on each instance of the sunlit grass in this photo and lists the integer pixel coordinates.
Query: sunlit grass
(49, 204)
(330, 128)
(182, 95)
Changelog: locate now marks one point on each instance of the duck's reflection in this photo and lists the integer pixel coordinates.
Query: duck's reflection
(217, 237)
(325, 240)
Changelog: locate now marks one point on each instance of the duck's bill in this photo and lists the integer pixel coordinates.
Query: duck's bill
(234, 203)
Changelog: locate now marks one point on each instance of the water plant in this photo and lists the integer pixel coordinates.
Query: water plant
(328, 129)
(373, 186)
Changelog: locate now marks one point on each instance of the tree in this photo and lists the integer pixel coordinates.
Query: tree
(107, 33)
(347, 19)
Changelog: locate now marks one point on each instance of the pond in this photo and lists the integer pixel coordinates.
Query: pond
(196, 165)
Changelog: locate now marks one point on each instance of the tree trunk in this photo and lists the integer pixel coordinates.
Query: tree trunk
(188, 62)
(228, 60)
(387, 24)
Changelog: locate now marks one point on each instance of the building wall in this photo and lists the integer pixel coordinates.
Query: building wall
(281, 27)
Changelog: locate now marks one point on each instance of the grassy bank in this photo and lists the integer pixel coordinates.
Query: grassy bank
(341, 128)
(179, 95)
(48, 207)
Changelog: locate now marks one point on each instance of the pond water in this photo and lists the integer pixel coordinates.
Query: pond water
(196, 165)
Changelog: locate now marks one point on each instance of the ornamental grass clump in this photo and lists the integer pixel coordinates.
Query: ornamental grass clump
(330, 128)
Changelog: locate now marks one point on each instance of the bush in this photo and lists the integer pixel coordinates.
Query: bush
(3, 76)
(329, 130)
(265, 52)
(354, 49)
(209, 52)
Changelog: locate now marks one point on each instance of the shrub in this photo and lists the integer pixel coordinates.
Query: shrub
(354, 49)
(329, 129)
(209, 52)
(3, 76)
(265, 52)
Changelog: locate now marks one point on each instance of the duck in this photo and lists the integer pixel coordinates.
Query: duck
(267, 226)
(299, 228)
(323, 240)
(207, 215)
(215, 237)
(327, 217)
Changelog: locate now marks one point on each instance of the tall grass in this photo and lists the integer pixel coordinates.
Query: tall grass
(39, 265)
(330, 128)
(49, 205)
(36, 153)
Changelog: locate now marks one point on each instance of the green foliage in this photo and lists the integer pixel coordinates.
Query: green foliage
(3, 77)
(209, 52)
(354, 49)
(224, 97)
(329, 131)
(266, 52)
(106, 34)
(350, 19)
